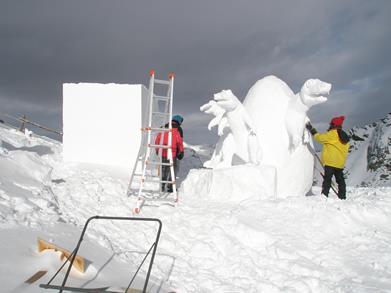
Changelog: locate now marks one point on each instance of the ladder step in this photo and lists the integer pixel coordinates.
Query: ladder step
(154, 129)
(163, 98)
(161, 113)
(162, 198)
(160, 81)
(159, 129)
(149, 176)
(158, 163)
(165, 181)
(162, 146)
(159, 181)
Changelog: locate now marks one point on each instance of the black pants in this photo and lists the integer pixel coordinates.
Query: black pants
(338, 174)
(166, 174)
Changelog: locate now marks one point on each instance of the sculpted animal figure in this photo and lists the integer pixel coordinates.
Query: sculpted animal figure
(277, 118)
(238, 143)
(224, 147)
(311, 93)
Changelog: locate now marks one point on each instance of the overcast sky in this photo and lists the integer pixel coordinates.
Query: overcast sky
(211, 45)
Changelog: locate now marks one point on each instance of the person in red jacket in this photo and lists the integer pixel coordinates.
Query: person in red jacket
(176, 147)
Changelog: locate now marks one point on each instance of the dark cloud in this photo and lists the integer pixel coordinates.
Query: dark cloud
(211, 45)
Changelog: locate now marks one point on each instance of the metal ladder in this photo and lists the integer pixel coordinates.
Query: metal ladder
(146, 179)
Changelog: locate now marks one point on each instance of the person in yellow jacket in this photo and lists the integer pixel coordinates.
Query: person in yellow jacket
(334, 153)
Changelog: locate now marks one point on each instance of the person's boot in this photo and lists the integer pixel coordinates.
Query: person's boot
(342, 197)
(341, 192)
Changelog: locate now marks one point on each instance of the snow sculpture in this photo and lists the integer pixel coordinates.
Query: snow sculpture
(276, 117)
(238, 143)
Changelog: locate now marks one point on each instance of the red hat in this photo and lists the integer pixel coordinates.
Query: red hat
(337, 121)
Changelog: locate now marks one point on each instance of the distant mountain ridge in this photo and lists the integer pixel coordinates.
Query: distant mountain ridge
(369, 161)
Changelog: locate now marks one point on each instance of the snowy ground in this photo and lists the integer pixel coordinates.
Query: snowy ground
(305, 244)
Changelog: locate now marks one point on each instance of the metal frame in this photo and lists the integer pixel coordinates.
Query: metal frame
(147, 147)
(72, 257)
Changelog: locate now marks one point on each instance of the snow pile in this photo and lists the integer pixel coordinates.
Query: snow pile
(301, 244)
(40, 197)
(26, 164)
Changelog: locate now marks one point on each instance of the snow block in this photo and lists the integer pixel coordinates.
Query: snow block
(232, 184)
(102, 122)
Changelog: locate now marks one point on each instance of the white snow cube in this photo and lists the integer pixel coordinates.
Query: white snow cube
(101, 122)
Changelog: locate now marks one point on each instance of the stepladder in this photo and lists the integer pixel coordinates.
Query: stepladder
(153, 178)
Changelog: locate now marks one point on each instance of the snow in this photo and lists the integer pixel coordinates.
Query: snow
(227, 184)
(102, 122)
(358, 161)
(209, 243)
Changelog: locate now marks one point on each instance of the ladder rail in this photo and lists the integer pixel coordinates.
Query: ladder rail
(170, 152)
(148, 150)
(128, 192)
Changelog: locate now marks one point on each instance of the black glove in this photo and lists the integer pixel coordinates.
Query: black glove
(180, 155)
(310, 128)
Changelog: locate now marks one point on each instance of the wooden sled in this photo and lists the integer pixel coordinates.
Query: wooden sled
(79, 262)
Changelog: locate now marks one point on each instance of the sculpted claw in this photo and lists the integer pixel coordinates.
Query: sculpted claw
(227, 100)
(214, 109)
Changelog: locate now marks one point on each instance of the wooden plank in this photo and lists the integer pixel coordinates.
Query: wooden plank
(79, 262)
(38, 275)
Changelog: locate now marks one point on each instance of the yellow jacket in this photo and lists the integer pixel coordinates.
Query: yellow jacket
(334, 152)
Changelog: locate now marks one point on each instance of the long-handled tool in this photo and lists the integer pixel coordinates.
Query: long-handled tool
(311, 149)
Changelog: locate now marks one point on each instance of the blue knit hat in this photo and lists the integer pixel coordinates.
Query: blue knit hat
(178, 119)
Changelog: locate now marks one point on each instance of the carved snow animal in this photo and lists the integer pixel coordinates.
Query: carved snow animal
(280, 123)
(224, 148)
(238, 143)
(278, 118)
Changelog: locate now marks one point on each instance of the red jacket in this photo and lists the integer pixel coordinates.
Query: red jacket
(176, 143)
